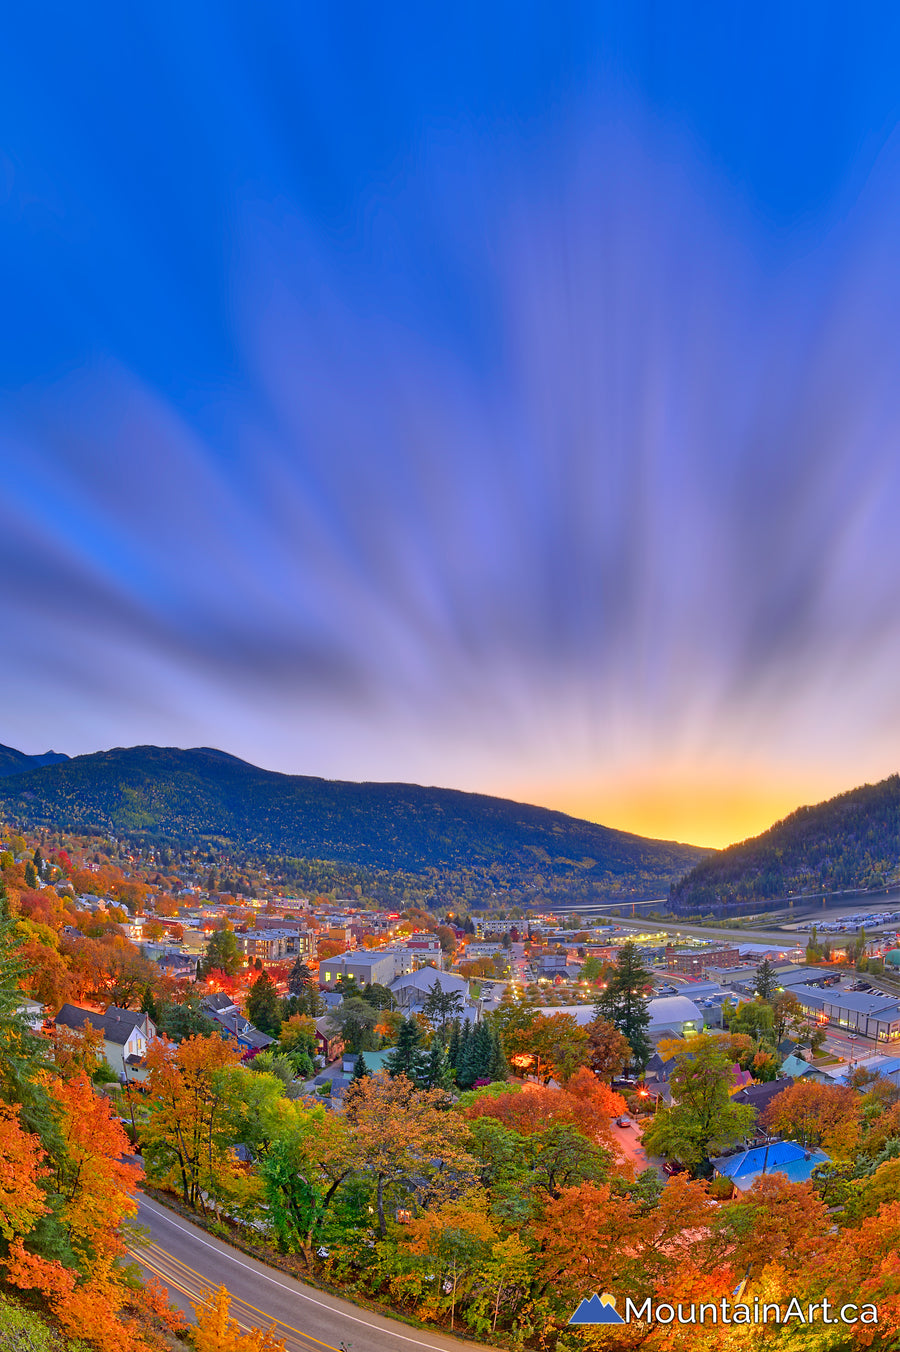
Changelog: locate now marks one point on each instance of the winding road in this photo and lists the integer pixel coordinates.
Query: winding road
(188, 1261)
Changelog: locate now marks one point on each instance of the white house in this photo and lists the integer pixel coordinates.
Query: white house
(126, 1034)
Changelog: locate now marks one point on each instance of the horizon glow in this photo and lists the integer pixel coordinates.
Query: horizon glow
(503, 401)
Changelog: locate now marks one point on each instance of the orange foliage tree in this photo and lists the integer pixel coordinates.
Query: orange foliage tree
(22, 1167)
(817, 1114)
(587, 1104)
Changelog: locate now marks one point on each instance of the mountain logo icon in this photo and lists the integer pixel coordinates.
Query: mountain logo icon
(597, 1310)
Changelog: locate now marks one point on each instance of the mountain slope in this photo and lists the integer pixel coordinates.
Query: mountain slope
(14, 762)
(852, 841)
(463, 839)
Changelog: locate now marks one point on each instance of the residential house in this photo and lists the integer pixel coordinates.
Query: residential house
(126, 1034)
(777, 1157)
(759, 1096)
(329, 1043)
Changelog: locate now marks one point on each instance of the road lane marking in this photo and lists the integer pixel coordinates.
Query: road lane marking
(323, 1305)
(170, 1280)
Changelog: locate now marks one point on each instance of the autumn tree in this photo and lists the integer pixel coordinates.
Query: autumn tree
(401, 1133)
(608, 1050)
(216, 1331)
(455, 1238)
(776, 1221)
(701, 1116)
(309, 1155)
(185, 1137)
(817, 1114)
(593, 1238)
(22, 1169)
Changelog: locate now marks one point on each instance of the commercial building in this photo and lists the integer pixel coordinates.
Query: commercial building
(673, 1016)
(875, 1016)
(696, 962)
(380, 966)
(266, 944)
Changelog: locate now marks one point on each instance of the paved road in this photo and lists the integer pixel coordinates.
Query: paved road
(188, 1261)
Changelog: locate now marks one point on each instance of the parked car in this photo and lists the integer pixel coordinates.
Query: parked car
(623, 1121)
(672, 1167)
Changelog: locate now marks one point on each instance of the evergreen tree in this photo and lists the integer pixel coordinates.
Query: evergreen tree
(453, 1048)
(360, 1069)
(435, 1072)
(222, 954)
(766, 982)
(624, 1005)
(299, 978)
(264, 1005)
(482, 1053)
(465, 1060)
(148, 1005)
(498, 1069)
(31, 878)
(406, 1057)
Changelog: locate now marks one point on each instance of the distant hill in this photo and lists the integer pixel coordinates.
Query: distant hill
(458, 844)
(852, 841)
(14, 762)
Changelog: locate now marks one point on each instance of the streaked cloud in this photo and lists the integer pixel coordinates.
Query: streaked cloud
(386, 408)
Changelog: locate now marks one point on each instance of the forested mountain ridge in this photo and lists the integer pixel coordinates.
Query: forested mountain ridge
(14, 762)
(465, 842)
(851, 841)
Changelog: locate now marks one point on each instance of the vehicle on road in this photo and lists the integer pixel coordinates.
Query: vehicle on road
(623, 1121)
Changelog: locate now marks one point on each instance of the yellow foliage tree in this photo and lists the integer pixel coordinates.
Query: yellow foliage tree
(216, 1331)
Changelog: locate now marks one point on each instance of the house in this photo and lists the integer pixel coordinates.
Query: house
(33, 1013)
(126, 1033)
(374, 1061)
(759, 1096)
(329, 1043)
(411, 991)
(778, 1157)
(798, 1069)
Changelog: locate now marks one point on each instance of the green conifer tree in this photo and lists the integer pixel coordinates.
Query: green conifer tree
(435, 1072)
(360, 1069)
(453, 1047)
(624, 1003)
(498, 1069)
(465, 1063)
(406, 1057)
(482, 1052)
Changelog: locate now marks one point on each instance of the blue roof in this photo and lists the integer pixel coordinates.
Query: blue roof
(784, 1157)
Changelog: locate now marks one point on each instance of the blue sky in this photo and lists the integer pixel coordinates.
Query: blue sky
(502, 398)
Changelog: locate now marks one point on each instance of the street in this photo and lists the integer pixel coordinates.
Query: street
(188, 1261)
(628, 1141)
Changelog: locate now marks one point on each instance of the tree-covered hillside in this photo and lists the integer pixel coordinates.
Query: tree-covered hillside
(468, 844)
(852, 841)
(13, 762)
